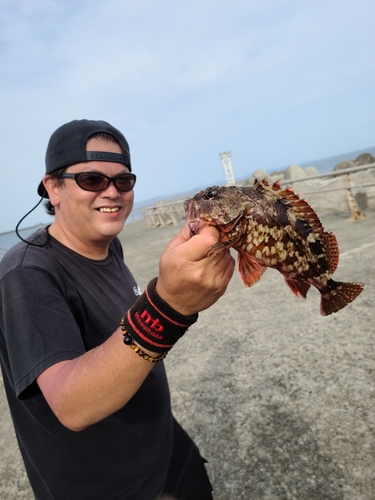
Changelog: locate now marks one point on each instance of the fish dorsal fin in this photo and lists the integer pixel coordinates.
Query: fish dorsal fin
(260, 184)
(300, 207)
(332, 249)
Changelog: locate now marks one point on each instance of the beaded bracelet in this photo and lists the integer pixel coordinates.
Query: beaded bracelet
(129, 341)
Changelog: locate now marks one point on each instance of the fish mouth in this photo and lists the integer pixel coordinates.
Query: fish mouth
(197, 224)
(191, 216)
(194, 226)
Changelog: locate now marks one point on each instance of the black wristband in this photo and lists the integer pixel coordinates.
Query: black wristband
(154, 324)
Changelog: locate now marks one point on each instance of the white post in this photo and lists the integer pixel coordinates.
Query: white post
(226, 160)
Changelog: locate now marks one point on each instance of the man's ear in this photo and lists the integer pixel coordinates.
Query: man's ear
(52, 188)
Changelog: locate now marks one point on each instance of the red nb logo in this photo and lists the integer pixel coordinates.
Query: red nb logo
(153, 323)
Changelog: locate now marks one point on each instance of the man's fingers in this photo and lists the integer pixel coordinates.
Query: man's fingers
(195, 247)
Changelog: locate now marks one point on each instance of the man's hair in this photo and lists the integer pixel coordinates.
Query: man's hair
(50, 209)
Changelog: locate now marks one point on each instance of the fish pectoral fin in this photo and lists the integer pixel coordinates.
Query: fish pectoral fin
(250, 270)
(218, 248)
(299, 287)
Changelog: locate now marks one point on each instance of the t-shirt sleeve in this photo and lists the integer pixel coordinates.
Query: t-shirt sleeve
(39, 328)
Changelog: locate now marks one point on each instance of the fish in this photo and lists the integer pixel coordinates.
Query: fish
(272, 227)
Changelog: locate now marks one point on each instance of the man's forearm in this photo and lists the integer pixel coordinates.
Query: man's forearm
(89, 388)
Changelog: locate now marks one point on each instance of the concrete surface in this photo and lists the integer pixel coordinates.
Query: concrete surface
(279, 399)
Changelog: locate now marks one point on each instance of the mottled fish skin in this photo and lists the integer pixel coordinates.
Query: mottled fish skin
(273, 227)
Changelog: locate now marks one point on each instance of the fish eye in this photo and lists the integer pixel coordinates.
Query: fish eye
(211, 194)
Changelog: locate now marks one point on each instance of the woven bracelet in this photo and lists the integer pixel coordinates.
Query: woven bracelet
(129, 341)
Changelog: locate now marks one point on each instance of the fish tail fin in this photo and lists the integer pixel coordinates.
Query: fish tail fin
(337, 295)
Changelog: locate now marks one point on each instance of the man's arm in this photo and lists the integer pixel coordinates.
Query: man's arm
(89, 388)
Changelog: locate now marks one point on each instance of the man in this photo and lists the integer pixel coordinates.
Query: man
(81, 353)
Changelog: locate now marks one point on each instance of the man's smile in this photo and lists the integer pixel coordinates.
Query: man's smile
(108, 209)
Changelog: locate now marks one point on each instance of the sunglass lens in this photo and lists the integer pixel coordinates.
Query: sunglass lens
(92, 182)
(125, 183)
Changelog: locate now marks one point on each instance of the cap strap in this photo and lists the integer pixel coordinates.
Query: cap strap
(104, 156)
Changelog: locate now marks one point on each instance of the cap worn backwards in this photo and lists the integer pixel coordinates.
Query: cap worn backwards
(67, 146)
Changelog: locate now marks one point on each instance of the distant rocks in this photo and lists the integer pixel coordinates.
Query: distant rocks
(344, 164)
(297, 172)
(291, 172)
(260, 174)
(294, 172)
(362, 159)
(311, 171)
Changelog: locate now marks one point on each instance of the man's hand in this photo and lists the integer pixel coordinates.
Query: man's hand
(188, 280)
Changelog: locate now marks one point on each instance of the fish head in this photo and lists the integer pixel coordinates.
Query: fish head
(217, 206)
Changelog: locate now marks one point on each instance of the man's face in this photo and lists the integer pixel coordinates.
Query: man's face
(93, 217)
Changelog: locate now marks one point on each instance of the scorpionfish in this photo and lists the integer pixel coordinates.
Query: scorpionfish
(273, 227)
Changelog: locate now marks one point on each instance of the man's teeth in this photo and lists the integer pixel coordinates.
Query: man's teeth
(107, 209)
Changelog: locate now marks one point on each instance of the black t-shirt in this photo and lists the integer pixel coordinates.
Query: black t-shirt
(56, 305)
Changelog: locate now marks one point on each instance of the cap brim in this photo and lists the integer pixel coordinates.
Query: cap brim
(42, 191)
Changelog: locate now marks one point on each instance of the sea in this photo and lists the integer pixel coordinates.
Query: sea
(9, 239)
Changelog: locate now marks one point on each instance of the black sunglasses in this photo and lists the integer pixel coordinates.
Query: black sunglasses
(92, 181)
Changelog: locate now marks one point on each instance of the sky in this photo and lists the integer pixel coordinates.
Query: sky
(275, 82)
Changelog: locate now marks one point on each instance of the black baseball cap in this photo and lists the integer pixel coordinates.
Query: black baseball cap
(67, 146)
